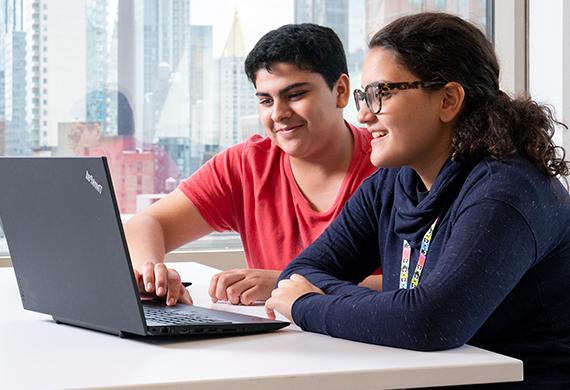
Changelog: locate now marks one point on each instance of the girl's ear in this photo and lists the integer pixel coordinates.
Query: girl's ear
(452, 102)
(342, 91)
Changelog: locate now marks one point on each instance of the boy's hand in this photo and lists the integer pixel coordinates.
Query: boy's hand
(163, 282)
(243, 286)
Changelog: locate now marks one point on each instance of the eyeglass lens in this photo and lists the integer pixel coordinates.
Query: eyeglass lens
(370, 97)
(373, 99)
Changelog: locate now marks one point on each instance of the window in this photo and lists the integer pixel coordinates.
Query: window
(140, 80)
(549, 61)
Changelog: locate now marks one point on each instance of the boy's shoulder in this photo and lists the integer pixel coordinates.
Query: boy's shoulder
(254, 145)
(258, 147)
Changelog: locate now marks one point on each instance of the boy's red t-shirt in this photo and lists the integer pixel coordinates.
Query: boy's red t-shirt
(249, 188)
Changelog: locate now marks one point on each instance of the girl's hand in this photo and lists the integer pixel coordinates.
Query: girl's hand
(286, 293)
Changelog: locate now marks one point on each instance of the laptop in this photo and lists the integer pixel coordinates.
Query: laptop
(68, 250)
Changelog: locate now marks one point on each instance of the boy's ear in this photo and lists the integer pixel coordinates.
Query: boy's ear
(341, 90)
(452, 101)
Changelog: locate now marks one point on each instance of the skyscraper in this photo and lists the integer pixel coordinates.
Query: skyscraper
(151, 44)
(330, 13)
(201, 88)
(14, 63)
(166, 52)
(96, 55)
(2, 67)
(112, 83)
(381, 12)
(56, 68)
(201, 42)
(2, 137)
(3, 29)
(236, 97)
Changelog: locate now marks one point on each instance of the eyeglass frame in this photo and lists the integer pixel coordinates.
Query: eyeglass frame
(384, 87)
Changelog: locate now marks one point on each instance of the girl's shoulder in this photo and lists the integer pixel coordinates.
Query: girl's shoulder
(517, 182)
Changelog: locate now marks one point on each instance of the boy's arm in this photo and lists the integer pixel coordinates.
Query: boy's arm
(160, 228)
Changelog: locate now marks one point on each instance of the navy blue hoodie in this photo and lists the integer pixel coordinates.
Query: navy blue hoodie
(497, 273)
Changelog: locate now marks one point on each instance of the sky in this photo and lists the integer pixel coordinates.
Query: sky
(257, 18)
(260, 16)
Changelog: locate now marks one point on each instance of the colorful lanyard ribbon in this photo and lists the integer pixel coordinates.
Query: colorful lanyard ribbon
(405, 265)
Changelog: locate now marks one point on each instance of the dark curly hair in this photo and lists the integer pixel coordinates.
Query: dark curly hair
(308, 46)
(439, 46)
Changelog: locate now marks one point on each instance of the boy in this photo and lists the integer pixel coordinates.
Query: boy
(279, 192)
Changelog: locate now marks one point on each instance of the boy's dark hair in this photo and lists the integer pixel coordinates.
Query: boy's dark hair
(308, 46)
(442, 47)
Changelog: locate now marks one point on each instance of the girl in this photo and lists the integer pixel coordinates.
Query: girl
(468, 220)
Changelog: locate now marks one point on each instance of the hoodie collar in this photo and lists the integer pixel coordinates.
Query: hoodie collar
(414, 217)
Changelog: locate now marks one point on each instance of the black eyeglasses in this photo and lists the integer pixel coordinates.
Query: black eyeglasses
(374, 92)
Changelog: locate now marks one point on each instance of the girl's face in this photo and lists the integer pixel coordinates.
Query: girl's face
(408, 130)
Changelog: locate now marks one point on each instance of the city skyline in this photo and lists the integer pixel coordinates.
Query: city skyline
(168, 88)
(275, 14)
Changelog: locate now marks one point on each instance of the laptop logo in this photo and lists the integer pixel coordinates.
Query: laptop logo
(89, 177)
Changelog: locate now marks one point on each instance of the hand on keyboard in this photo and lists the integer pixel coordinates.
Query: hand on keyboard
(157, 280)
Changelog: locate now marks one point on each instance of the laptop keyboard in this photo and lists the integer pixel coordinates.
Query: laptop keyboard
(177, 317)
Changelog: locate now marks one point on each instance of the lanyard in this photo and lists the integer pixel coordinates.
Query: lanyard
(405, 265)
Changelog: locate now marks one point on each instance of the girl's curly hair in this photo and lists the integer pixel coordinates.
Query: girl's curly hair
(443, 47)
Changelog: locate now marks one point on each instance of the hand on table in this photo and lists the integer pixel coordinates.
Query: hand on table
(286, 293)
(243, 286)
(157, 280)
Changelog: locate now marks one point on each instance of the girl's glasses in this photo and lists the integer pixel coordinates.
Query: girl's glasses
(374, 92)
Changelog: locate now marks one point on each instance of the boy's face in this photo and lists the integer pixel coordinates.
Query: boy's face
(299, 111)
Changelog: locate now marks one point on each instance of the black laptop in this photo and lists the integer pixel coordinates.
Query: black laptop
(69, 253)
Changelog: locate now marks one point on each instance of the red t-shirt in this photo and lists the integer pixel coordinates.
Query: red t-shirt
(249, 188)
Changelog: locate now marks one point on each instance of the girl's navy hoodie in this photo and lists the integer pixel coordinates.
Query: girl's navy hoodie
(497, 273)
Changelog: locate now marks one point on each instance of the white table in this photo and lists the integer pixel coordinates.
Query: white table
(37, 353)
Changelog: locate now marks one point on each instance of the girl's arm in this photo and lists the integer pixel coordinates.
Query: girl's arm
(488, 252)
